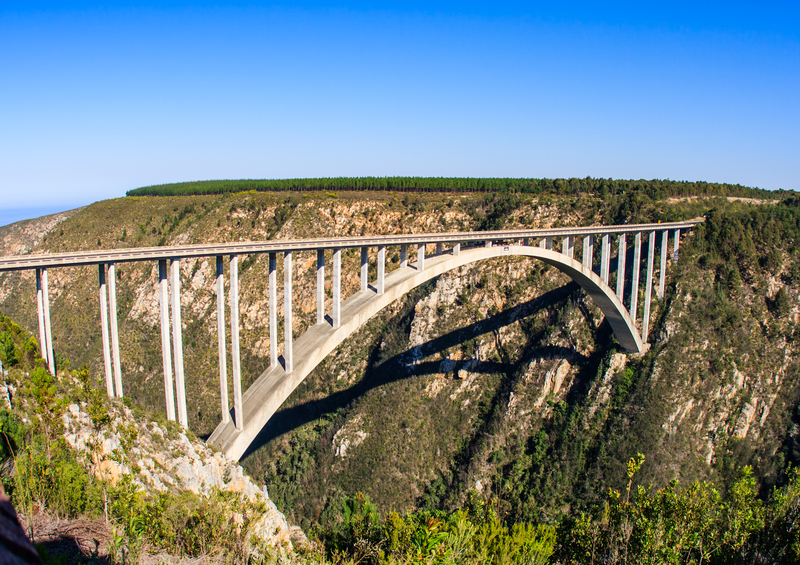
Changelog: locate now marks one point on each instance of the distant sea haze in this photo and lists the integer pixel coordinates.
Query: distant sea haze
(9, 216)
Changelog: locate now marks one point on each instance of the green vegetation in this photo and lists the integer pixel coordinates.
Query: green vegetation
(656, 189)
(48, 476)
(671, 525)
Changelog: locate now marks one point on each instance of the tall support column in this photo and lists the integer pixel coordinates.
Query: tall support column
(104, 332)
(637, 266)
(605, 258)
(166, 357)
(542, 243)
(177, 342)
(420, 256)
(548, 243)
(320, 286)
(457, 249)
(273, 310)
(489, 243)
(648, 289)
(439, 248)
(336, 310)
(623, 250)
(288, 356)
(568, 246)
(40, 314)
(663, 271)
(364, 268)
(223, 362)
(676, 244)
(112, 311)
(48, 334)
(403, 256)
(588, 251)
(381, 268)
(236, 362)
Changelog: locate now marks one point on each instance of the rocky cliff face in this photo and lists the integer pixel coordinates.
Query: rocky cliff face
(163, 458)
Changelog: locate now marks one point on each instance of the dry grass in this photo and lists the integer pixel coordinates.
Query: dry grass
(88, 539)
(76, 539)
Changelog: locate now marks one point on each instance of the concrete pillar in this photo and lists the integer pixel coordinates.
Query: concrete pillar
(104, 332)
(526, 241)
(273, 310)
(166, 357)
(403, 256)
(457, 249)
(48, 334)
(381, 268)
(489, 243)
(605, 262)
(112, 311)
(236, 363)
(177, 342)
(320, 286)
(542, 243)
(420, 256)
(663, 271)
(364, 268)
(675, 245)
(648, 289)
(40, 313)
(439, 248)
(336, 310)
(637, 265)
(588, 251)
(548, 243)
(288, 356)
(623, 250)
(223, 363)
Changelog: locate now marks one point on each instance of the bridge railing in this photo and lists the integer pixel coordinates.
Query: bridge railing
(169, 258)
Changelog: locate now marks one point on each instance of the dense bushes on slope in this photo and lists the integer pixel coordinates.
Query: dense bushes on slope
(677, 524)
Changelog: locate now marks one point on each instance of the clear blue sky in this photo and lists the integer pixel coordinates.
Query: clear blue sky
(97, 98)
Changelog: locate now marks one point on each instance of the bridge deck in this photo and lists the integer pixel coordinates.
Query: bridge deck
(95, 257)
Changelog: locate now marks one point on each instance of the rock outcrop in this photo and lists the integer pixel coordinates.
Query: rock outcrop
(164, 457)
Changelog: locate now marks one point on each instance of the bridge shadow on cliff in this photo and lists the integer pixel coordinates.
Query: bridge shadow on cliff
(402, 366)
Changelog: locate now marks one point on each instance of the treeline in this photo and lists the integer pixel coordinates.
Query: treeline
(656, 189)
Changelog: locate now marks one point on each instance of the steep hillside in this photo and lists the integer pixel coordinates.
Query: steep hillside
(500, 379)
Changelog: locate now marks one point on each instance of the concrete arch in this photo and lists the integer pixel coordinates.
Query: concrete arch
(274, 386)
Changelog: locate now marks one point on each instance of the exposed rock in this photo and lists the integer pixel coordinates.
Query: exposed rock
(160, 458)
(350, 435)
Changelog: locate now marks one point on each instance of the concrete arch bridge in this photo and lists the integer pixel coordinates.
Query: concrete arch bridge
(252, 409)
